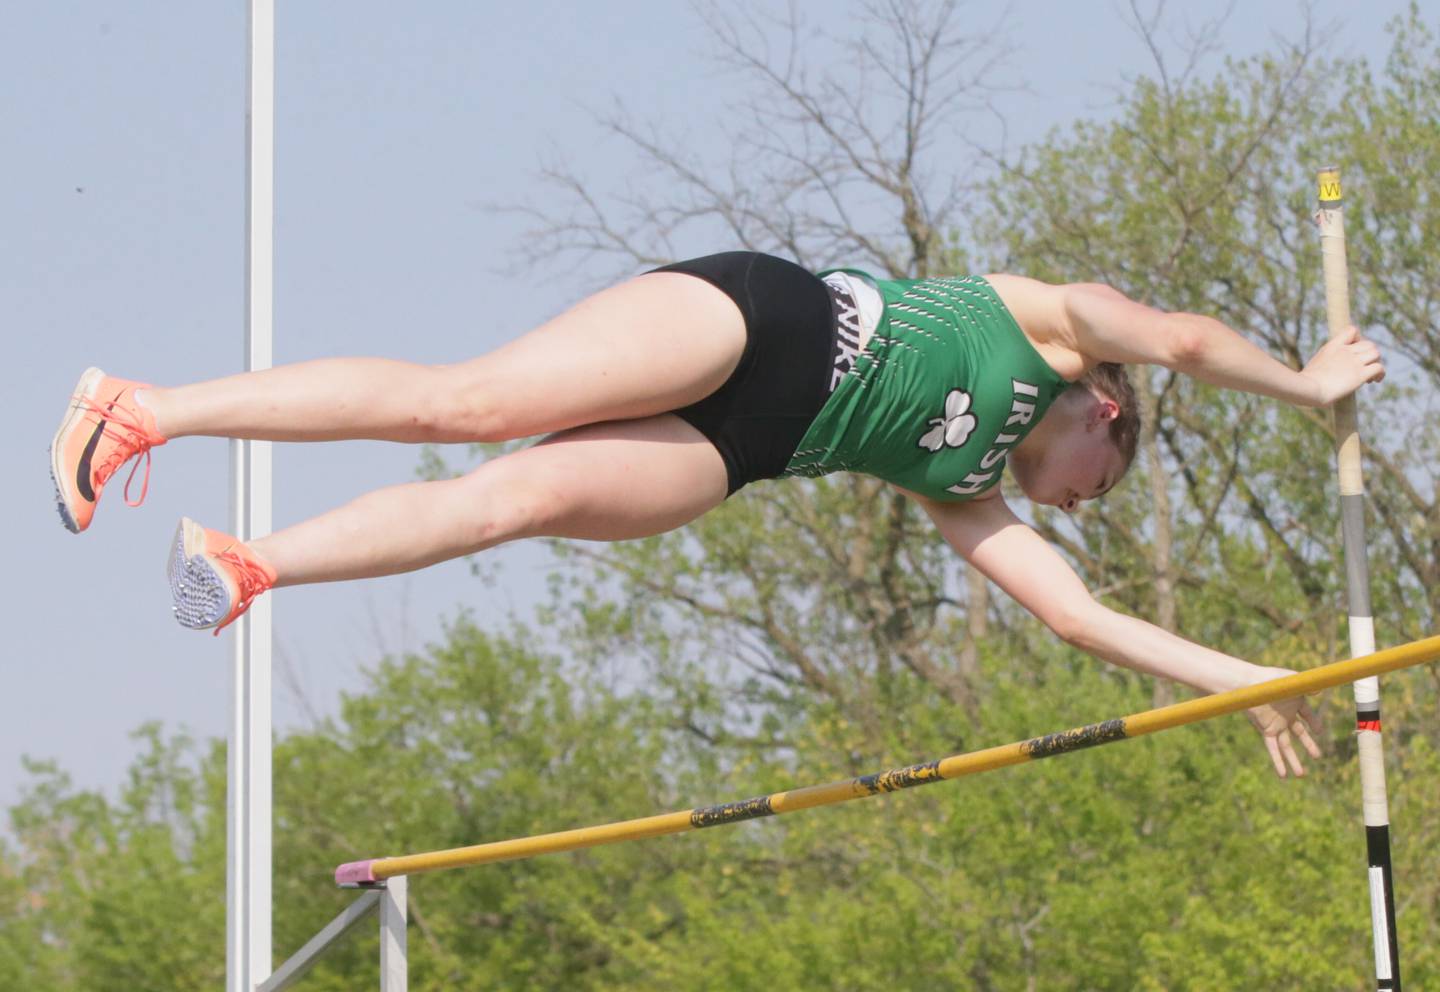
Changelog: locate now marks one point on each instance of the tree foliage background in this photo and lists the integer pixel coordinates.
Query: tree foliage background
(812, 631)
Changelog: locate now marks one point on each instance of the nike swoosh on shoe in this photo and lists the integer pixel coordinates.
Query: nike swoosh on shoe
(82, 472)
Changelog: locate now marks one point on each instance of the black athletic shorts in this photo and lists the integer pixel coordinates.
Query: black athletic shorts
(758, 417)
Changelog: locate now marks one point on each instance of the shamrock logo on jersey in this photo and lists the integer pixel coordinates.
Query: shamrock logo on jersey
(955, 427)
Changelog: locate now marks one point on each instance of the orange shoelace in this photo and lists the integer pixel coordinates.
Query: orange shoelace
(131, 439)
(251, 578)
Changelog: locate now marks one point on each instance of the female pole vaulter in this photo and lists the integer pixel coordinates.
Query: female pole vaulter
(664, 395)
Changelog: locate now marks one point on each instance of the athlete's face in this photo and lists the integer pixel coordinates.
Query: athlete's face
(1073, 458)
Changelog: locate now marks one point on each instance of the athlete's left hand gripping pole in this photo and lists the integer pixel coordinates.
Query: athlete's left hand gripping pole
(1331, 221)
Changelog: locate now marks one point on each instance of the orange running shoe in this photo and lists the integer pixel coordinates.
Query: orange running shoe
(213, 577)
(103, 429)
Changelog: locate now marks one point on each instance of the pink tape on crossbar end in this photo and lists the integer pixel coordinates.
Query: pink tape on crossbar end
(356, 873)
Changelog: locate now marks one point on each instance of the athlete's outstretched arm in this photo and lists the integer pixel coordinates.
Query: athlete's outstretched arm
(1109, 326)
(990, 537)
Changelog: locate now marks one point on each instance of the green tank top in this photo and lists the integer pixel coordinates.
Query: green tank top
(946, 387)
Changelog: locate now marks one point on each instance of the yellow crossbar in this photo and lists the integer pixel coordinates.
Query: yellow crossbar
(955, 766)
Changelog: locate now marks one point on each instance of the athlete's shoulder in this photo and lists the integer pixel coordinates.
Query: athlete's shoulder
(1027, 291)
(1039, 308)
(1023, 292)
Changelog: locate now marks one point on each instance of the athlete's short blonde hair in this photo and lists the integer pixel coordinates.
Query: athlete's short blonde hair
(1111, 380)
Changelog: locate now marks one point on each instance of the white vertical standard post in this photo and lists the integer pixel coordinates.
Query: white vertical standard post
(394, 913)
(1375, 805)
(247, 875)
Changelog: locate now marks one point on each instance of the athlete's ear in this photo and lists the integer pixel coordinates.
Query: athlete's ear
(1104, 410)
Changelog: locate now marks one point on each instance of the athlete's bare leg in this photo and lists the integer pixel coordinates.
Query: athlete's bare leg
(600, 482)
(656, 343)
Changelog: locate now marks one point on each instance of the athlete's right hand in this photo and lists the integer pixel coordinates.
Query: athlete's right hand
(1342, 365)
(1283, 724)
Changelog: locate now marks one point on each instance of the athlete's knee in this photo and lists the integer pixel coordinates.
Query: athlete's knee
(459, 407)
(507, 501)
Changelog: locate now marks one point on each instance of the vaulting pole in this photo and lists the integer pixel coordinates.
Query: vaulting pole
(248, 861)
(1330, 219)
(359, 873)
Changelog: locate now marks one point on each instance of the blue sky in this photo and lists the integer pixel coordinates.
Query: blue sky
(122, 221)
